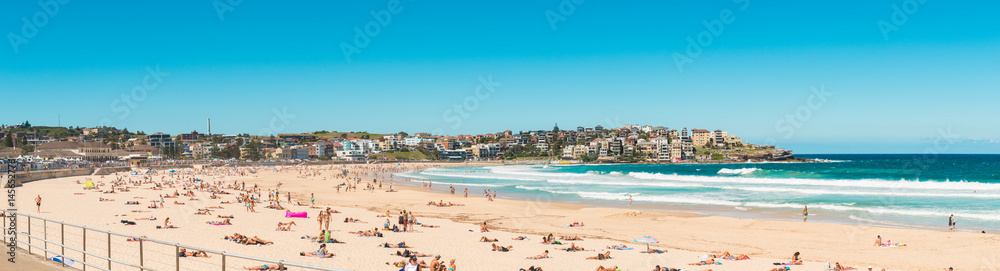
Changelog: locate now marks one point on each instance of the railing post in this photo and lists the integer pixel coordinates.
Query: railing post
(62, 241)
(29, 233)
(85, 248)
(140, 252)
(45, 238)
(109, 250)
(177, 257)
(223, 261)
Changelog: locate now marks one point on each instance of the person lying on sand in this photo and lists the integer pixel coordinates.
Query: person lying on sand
(285, 226)
(375, 233)
(727, 256)
(602, 268)
(131, 203)
(484, 239)
(601, 256)
(198, 253)
(134, 239)
(501, 249)
(320, 239)
(532, 268)
(708, 262)
(544, 255)
(319, 253)
(104, 199)
(400, 245)
(519, 238)
(275, 205)
(572, 247)
(838, 267)
(429, 226)
(654, 251)
(266, 267)
(225, 216)
(244, 240)
(178, 203)
(618, 247)
(204, 212)
(406, 253)
(223, 222)
(576, 224)
(571, 238)
(353, 220)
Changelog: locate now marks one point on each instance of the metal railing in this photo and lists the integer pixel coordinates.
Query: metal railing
(144, 254)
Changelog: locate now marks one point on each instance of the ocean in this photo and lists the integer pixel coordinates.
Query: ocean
(898, 190)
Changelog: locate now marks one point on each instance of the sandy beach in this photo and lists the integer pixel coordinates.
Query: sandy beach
(686, 237)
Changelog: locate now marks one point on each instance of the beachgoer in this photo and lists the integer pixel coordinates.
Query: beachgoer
(805, 213)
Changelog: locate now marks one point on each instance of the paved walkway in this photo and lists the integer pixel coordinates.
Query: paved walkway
(28, 262)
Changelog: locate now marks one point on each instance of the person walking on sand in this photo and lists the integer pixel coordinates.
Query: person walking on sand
(951, 222)
(38, 203)
(629, 200)
(805, 213)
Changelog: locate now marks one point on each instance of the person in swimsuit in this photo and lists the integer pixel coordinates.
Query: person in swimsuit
(544, 255)
(183, 253)
(501, 249)
(38, 203)
(805, 213)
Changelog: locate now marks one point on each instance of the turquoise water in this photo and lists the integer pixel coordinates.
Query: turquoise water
(913, 191)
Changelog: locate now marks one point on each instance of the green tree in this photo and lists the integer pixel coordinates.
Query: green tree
(253, 151)
(8, 140)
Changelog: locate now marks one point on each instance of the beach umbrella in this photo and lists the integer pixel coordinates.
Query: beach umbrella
(646, 240)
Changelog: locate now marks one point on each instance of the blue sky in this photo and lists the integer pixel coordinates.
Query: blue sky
(600, 63)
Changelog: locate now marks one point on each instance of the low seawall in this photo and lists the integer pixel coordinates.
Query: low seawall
(29, 176)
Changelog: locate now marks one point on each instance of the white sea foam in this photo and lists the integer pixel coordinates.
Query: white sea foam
(472, 184)
(742, 171)
(869, 192)
(863, 183)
